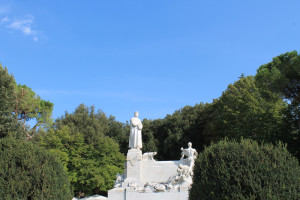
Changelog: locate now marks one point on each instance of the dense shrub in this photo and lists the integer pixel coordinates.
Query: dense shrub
(245, 170)
(29, 172)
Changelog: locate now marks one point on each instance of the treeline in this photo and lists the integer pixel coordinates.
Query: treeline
(264, 108)
(92, 146)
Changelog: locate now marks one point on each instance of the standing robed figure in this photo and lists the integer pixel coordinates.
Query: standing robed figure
(135, 138)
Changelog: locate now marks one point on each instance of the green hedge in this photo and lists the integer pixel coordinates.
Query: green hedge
(30, 172)
(245, 170)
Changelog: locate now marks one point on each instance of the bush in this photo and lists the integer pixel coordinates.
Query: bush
(30, 172)
(245, 170)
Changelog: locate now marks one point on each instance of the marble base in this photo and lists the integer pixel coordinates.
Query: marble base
(142, 177)
(132, 194)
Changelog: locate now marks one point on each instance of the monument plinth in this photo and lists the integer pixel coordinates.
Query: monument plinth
(145, 178)
(132, 172)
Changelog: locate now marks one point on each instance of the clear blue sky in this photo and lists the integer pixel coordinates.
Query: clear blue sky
(153, 56)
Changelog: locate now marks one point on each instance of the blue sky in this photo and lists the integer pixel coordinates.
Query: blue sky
(153, 56)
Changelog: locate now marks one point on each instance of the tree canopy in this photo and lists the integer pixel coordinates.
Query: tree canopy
(282, 75)
(18, 105)
(91, 158)
(30, 106)
(7, 103)
(243, 111)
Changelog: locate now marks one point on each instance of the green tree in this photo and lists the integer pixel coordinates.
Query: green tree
(30, 172)
(18, 105)
(149, 141)
(92, 124)
(282, 76)
(245, 170)
(91, 158)
(8, 126)
(6, 101)
(119, 132)
(244, 111)
(30, 106)
(95, 124)
(176, 130)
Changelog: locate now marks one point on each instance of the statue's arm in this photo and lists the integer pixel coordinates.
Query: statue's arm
(140, 126)
(182, 153)
(196, 153)
(135, 122)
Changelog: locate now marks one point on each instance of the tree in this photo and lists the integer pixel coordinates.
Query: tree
(176, 130)
(119, 132)
(245, 170)
(85, 120)
(91, 158)
(244, 111)
(149, 141)
(30, 106)
(95, 124)
(8, 126)
(30, 172)
(282, 76)
(18, 105)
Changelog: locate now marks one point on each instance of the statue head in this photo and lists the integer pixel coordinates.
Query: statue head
(190, 144)
(136, 114)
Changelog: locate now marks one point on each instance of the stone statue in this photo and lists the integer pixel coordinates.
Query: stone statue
(184, 177)
(119, 180)
(191, 155)
(149, 156)
(135, 138)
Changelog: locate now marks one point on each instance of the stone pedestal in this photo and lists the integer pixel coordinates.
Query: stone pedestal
(117, 194)
(132, 173)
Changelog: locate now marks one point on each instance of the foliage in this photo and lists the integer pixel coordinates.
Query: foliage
(176, 130)
(149, 141)
(245, 170)
(30, 172)
(95, 124)
(30, 106)
(282, 75)
(8, 126)
(91, 158)
(119, 132)
(243, 111)
(18, 105)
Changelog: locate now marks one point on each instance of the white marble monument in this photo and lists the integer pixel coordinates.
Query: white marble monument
(145, 178)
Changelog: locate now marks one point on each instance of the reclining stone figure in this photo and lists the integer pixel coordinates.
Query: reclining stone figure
(149, 156)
